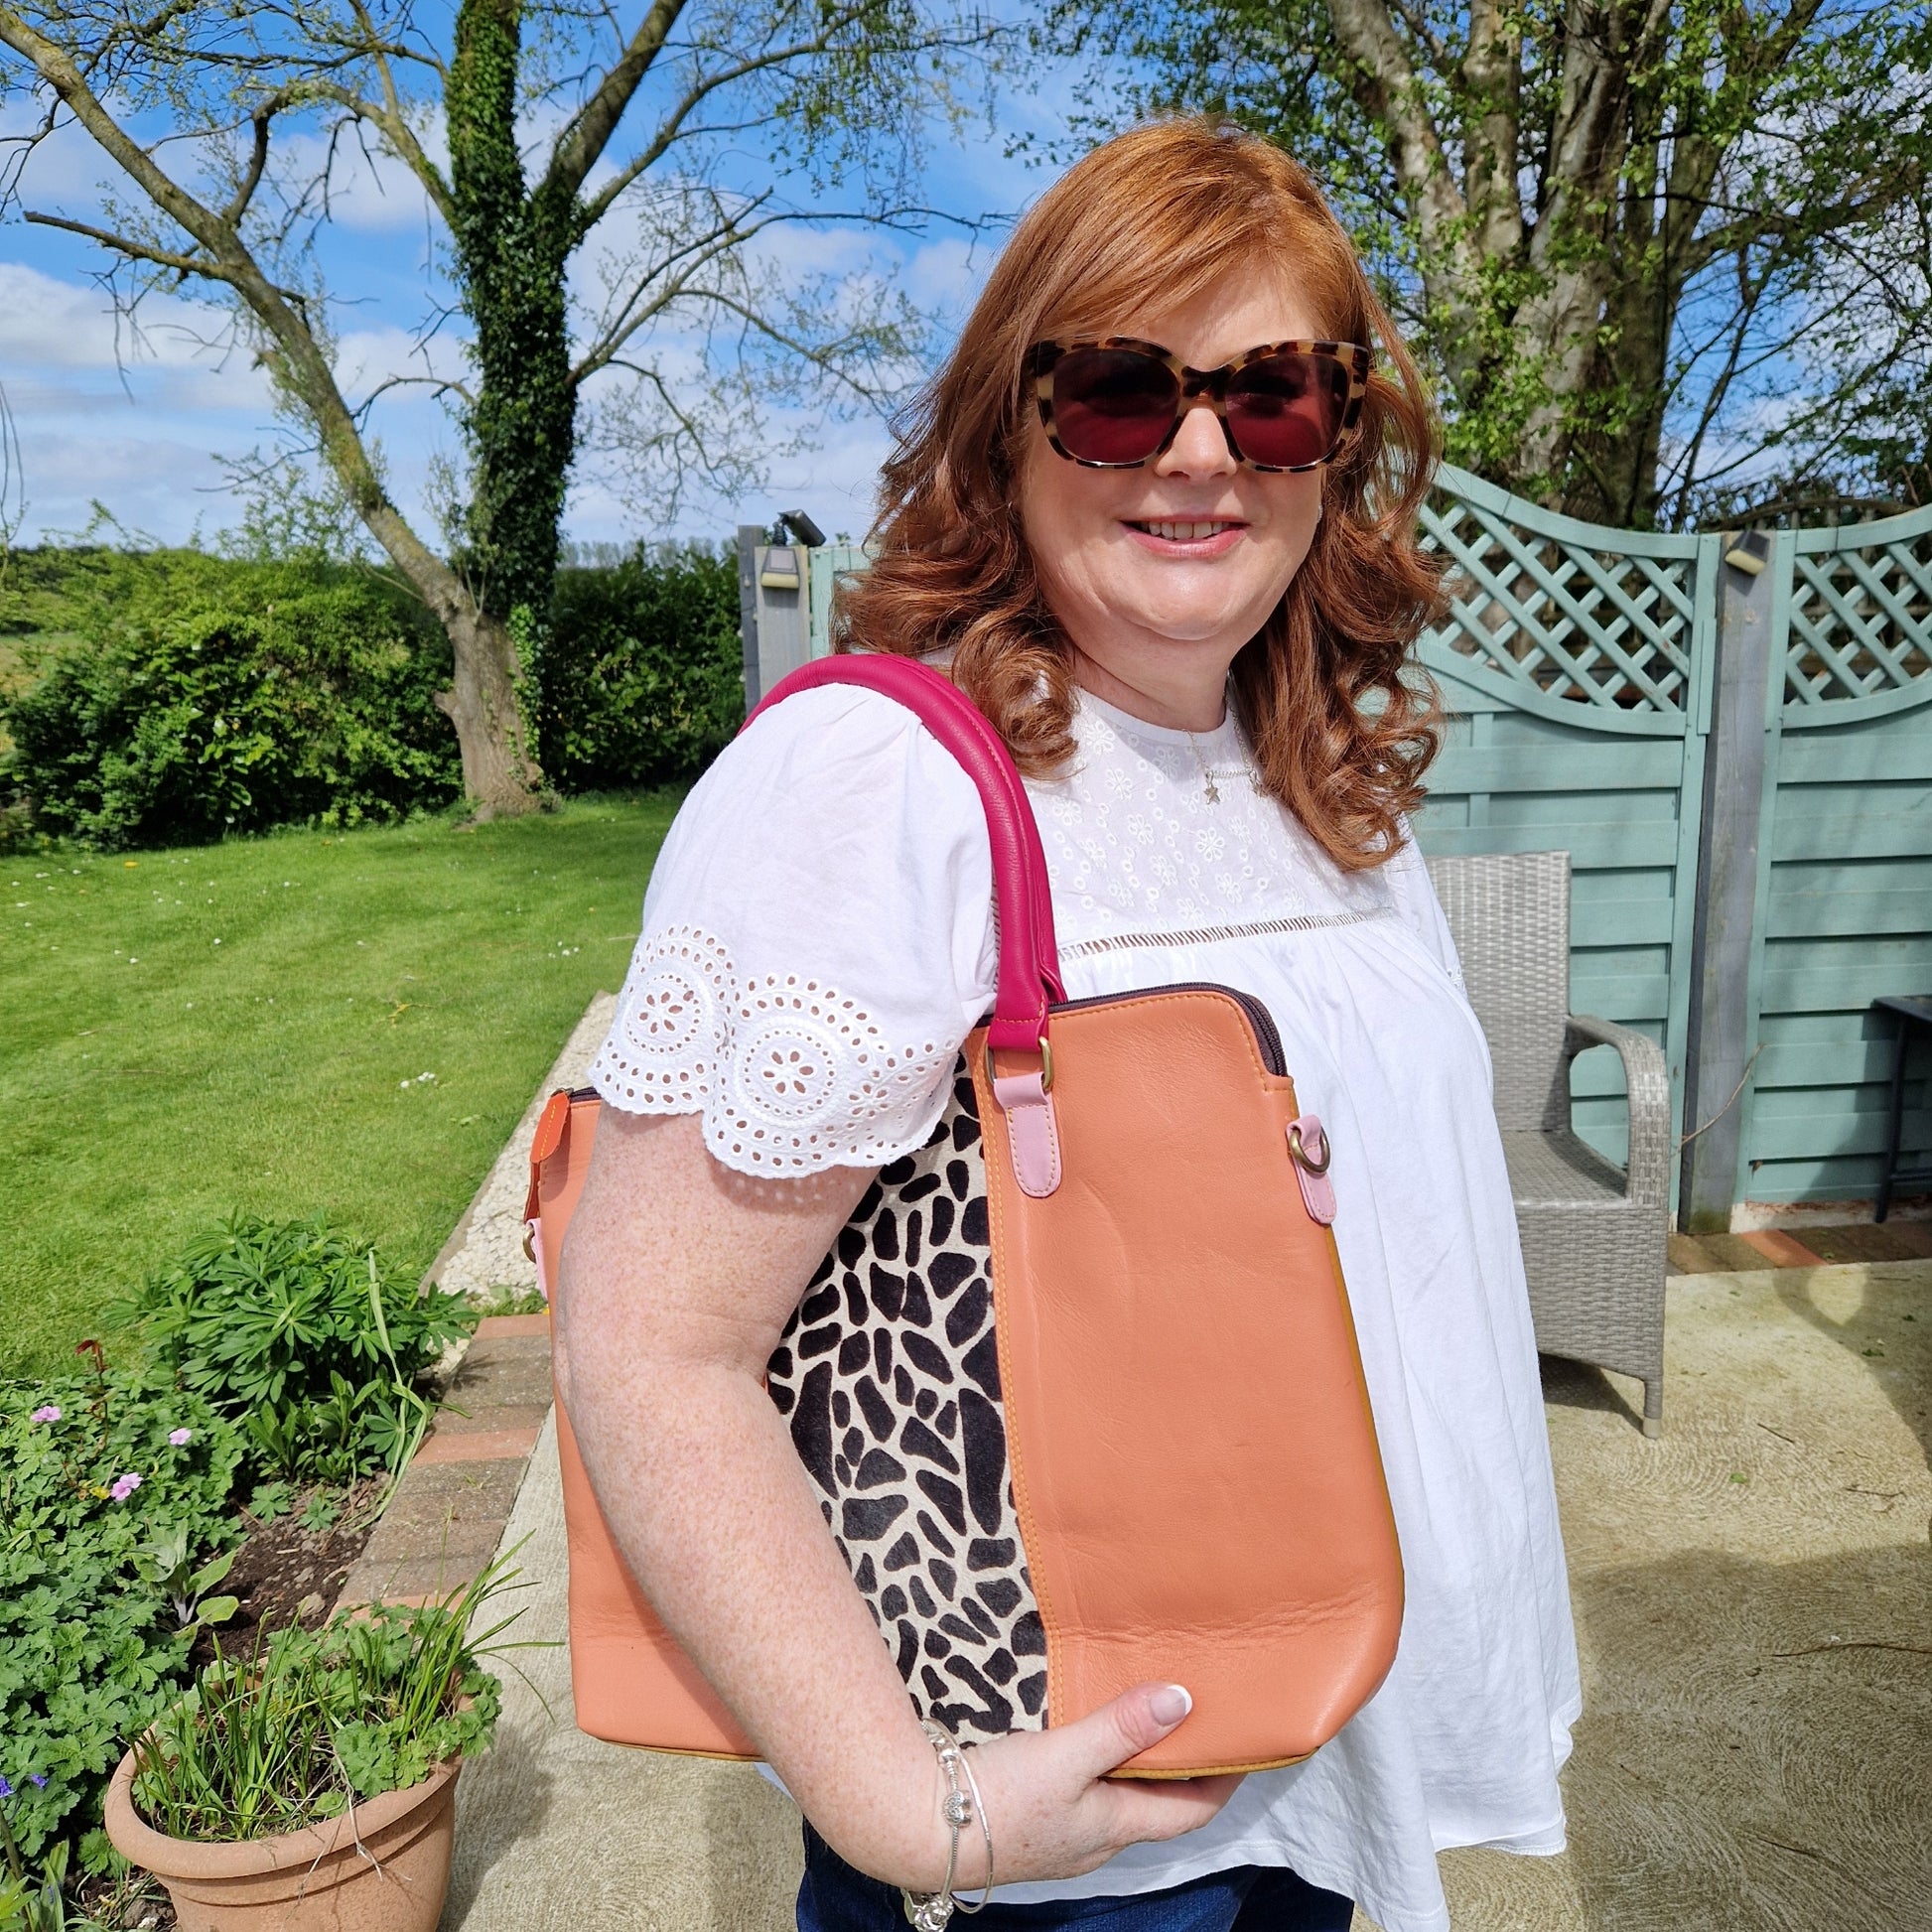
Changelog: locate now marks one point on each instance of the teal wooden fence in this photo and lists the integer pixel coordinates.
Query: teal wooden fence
(1577, 667)
(1844, 904)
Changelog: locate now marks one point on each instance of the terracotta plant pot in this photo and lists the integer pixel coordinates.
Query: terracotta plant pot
(383, 1867)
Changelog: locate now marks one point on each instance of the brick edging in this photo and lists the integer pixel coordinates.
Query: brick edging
(449, 1509)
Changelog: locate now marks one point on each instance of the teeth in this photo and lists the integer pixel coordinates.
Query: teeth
(1186, 532)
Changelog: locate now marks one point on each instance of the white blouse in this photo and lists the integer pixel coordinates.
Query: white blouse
(818, 940)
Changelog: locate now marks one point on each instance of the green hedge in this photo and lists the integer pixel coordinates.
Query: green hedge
(197, 697)
(174, 697)
(640, 678)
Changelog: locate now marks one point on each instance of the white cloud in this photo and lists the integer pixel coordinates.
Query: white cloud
(48, 325)
(141, 421)
(370, 191)
(140, 425)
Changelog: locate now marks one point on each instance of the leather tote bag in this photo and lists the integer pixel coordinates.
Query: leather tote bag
(1076, 1386)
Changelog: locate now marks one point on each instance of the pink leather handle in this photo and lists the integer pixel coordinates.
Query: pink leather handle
(1030, 960)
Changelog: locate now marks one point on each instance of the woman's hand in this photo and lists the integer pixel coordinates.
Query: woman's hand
(1053, 1810)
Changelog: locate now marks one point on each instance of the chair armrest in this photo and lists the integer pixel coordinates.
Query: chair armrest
(1647, 1176)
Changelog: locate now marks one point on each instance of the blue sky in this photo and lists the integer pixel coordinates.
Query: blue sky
(140, 419)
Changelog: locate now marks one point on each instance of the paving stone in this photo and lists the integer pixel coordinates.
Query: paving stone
(476, 1446)
(1780, 1248)
(516, 1369)
(1731, 1254)
(481, 1417)
(421, 1579)
(1686, 1254)
(1870, 1241)
(434, 1495)
(497, 1327)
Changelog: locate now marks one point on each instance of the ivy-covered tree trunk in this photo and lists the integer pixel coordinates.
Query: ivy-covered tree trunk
(512, 248)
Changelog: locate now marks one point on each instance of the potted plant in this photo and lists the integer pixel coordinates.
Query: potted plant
(311, 1785)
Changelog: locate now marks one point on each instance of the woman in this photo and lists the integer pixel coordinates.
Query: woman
(1186, 605)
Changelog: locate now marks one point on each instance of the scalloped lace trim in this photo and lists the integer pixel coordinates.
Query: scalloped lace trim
(789, 1076)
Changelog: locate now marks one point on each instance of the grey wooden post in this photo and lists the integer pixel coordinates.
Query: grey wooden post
(750, 536)
(783, 615)
(1720, 1041)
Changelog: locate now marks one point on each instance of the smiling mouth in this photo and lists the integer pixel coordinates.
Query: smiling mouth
(1175, 532)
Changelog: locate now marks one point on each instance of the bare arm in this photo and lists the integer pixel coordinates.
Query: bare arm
(678, 1277)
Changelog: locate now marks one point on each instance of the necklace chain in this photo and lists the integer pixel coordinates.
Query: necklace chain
(1210, 790)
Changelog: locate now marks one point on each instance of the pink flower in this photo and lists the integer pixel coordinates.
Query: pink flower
(180, 1438)
(124, 1487)
(52, 1413)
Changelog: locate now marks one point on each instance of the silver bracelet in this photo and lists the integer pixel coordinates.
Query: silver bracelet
(930, 1911)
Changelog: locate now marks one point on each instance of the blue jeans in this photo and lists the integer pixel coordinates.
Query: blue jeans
(835, 1897)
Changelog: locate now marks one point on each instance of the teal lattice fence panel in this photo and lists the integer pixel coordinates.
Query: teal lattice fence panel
(1844, 859)
(1575, 668)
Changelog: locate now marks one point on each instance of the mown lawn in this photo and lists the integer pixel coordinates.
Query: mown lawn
(243, 1026)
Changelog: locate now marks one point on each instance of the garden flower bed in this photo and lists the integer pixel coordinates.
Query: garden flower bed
(161, 1510)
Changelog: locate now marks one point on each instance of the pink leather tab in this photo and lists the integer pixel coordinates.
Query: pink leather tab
(534, 1247)
(1308, 1148)
(1029, 961)
(1032, 1131)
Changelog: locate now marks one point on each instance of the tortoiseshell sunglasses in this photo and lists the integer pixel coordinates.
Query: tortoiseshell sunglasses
(1115, 404)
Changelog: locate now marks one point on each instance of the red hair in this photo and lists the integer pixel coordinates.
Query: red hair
(1341, 736)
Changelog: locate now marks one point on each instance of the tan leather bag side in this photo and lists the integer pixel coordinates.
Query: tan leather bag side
(629, 1680)
(1194, 1460)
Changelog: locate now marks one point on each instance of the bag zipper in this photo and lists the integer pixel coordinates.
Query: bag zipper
(1258, 1017)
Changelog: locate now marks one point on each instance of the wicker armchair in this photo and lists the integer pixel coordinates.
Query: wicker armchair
(1592, 1233)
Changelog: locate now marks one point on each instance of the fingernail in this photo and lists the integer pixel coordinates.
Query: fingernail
(1169, 1704)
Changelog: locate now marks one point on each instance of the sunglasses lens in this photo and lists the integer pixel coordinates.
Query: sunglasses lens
(1111, 405)
(1285, 411)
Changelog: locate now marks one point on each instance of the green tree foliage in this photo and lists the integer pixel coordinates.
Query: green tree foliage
(668, 132)
(204, 697)
(1667, 258)
(641, 674)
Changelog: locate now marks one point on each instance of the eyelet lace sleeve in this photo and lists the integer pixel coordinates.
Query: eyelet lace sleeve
(817, 941)
(790, 1077)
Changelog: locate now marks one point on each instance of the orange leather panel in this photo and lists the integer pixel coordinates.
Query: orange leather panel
(560, 1159)
(628, 1679)
(1194, 1463)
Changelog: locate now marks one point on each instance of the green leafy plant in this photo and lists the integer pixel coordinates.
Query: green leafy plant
(504, 1299)
(319, 1512)
(269, 1501)
(313, 1722)
(30, 1904)
(290, 1327)
(170, 1563)
(115, 1493)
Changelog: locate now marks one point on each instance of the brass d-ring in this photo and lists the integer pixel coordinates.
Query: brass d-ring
(1300, 1154)
(1046, 1063)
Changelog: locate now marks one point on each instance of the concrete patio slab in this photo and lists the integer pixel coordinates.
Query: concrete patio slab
(1753, 1598)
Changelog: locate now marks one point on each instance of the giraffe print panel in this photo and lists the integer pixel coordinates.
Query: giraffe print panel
(888, 1377)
